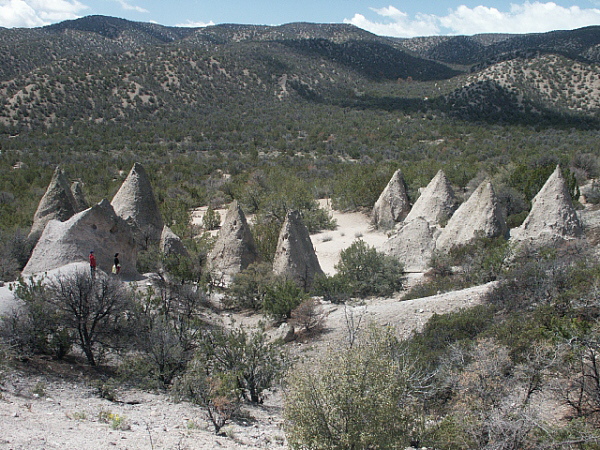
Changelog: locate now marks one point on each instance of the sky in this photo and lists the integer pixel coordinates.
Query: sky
(399, 18)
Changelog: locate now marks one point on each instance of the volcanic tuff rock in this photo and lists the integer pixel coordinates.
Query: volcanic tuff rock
(393, 205)
(413, 244)
(479, 216)
(136, 204)
(56, 204)
(552, 217)
(235, 249)
(171, 244)
(436, 203)
(97, 228)
(295, 257)
(78, 195)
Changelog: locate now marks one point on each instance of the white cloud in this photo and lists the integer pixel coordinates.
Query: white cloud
(528, 17)
(129, 7)
(191, 24)
(399, 23)
(35, 13)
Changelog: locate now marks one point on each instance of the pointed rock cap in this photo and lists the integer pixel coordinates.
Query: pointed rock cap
(78, 195)
(392, 205)
(479, 216)
(413, 244)
(552, 216)
(235, 248)
(56, 204)
(136, 204)
(171, 244)
(437, 202)
(295, 257)
(98, 229)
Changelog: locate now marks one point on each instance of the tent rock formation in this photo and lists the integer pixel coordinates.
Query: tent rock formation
(171, 244)
(57, 203)
(97, 228)
(235, 248)
(436, 203)
(393, 205)
(479, 216)
(552, 217)
(413, 244)
(136, 204)
(295, 257)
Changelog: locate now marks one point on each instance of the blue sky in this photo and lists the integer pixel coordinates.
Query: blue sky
(401, 18)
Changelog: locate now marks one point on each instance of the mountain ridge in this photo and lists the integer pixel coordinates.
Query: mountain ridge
(100, 68)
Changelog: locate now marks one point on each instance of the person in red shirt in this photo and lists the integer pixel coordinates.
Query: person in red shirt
(92, 263)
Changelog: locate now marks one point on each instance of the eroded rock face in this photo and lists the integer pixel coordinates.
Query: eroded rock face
(78, 195)
(437, 202)
(136, 204)
(552, 217)
(57, 203)
(393, 205)
(479, 216)
(171, 244)
(235, 248)
(96, 229)
(413, 244)
(295, 257)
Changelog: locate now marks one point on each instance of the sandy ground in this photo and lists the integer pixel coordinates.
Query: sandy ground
(41, 413)
(351, 226)
(63, 411)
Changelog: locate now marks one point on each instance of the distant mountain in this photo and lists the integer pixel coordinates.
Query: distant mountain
(486, 49)
(140, 33)
(102, 69)
(545, 82)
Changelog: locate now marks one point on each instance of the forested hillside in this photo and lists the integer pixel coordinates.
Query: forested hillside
(333, 106)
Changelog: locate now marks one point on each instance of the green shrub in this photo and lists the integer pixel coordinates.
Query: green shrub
(281, 298)
(442, 330)
(266, 234)
(364, 396)
(359, 185)
(365, 271)
(333, 288)
(249, 287)
(249, 357)
(480, 261)
(149, 260)
(217, 392)
(37, 327)
(211, 219)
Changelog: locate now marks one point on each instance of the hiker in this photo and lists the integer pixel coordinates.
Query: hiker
(117, 265)
(92, 264)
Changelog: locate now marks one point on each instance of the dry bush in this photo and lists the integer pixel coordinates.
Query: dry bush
(309, 316)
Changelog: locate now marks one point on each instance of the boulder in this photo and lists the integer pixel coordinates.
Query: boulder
(136, 204)
(480, 216)
(235, 248)
(285, 333)
(96, 229)
(393, 205)
(171, 244)
(56, 204)
(413, 244)
(552, 217)
(437, 202)
(295, 256)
